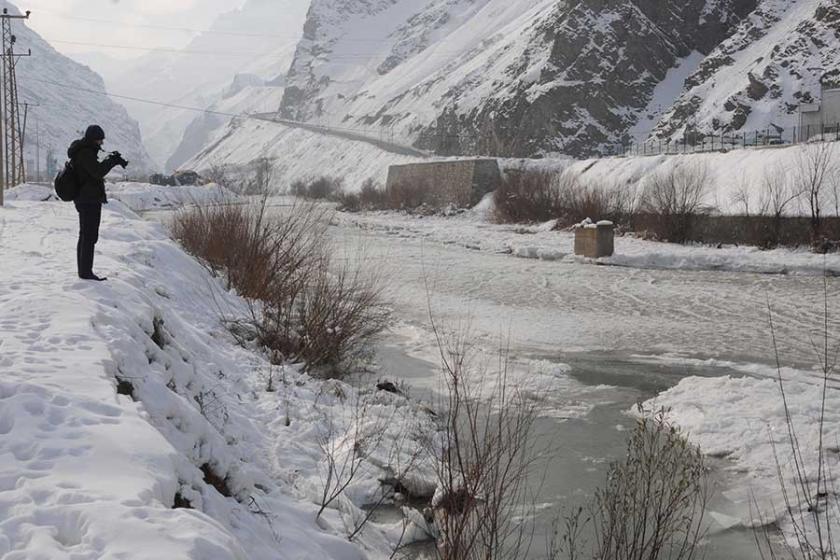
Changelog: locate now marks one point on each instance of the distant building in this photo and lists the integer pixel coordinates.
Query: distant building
(816, 118)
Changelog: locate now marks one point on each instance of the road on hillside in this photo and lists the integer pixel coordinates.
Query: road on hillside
(346, 134)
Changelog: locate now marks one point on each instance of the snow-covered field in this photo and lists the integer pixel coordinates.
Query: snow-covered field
(118, 399)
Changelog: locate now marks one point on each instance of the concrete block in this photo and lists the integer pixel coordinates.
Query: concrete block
(595, 240)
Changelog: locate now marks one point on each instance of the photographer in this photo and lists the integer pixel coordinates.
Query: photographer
(84, 154)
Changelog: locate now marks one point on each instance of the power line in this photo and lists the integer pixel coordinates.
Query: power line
(159, 49)
(328, 56)
(168, 28)
(198, 110)
(187, 29)
(137, 99)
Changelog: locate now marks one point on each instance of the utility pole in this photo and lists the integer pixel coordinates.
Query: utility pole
(11, 138)
(22, 136)
(37, 149)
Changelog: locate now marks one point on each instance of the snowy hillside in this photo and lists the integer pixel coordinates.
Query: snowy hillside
(524, 78)
(63, 90)
(295, 153)
(760, 75)
(247, 93)
(517, 78)
(133, 425)
(257, 39)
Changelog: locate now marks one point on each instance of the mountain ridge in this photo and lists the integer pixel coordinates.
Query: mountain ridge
(526, 79)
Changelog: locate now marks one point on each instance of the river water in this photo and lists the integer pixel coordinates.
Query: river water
(579, 447)
(604, 329)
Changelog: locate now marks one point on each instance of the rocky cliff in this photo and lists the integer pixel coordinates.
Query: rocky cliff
(535, 77)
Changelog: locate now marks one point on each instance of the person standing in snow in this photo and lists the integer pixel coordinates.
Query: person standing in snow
(90, 173)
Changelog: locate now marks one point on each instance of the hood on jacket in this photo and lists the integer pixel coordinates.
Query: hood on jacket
(82, 144)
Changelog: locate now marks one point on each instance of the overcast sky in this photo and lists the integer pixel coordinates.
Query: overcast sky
(55, 21)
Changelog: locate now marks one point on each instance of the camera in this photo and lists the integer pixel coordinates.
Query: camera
(116, 156)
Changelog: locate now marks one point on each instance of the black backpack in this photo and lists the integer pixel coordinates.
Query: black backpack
(67, 184)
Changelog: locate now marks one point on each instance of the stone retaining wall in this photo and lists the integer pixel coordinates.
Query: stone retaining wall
(462, 183)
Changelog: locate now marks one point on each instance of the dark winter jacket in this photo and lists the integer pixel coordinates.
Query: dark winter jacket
(91, 172)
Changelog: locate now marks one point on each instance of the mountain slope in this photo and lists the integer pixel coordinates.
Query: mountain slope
(257, 39)
(61, 90)
(530, 78)
(760, 75)
(497, 76)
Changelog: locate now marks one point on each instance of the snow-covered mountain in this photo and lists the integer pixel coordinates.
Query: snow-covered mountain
(65, 103)
(256, 40)
(531, 77)
(761, 74)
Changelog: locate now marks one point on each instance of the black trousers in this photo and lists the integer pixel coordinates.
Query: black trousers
(90, 215)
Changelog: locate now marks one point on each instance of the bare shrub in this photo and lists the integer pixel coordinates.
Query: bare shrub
(652, 505)
(778, 196)
(811, 505)
(348, 202)
(338, 312)
(411, 195)
(367, 438)
(579, 200)
(742, 197)
(303, 305)
(344, 454)
(676, 197)
(483, 459)
(260, 255)
(539, 196)
(526, 196)
(835, 190)
(320, 188)
(261, 180)
(373, 196)
(812, 174)
(218, 173)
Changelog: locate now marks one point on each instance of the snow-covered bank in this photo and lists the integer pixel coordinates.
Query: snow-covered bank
(742, 420)
(140, 197)
(122, 400)
(471, 230)
(737, 178)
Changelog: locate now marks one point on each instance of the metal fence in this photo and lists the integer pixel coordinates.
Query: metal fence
(700, 143)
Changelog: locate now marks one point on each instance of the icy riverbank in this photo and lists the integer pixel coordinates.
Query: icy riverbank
(133, 425)
(743, 421)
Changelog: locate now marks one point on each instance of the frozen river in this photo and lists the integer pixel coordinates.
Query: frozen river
(592, 341)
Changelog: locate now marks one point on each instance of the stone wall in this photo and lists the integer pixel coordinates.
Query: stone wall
(462, 183)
